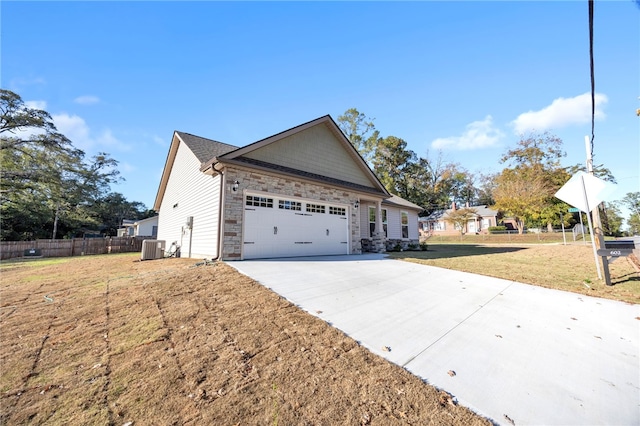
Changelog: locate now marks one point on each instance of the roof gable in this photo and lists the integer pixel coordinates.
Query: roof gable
(204, 150)
(316, 148)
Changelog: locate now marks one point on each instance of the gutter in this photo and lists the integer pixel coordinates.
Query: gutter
(223, 179)
(205, 168)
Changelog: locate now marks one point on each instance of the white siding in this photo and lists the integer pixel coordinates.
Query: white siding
(364, 219)
(190, 192)
(145, 226)
(394, 227)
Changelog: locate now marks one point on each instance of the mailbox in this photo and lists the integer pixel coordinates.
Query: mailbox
(614, 249)
(617, 248)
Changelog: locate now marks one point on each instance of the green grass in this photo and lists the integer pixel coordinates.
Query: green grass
(17, 263)
(570, 268)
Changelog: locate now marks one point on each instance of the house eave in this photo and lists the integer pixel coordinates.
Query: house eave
(301, 175)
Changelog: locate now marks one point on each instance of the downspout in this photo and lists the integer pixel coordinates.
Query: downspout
(223, 178)
(220, 213)
(220, 210)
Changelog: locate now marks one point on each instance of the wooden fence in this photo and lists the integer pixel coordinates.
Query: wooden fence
(71, 247)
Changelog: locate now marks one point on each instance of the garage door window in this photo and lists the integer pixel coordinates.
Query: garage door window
(259, 201)
(289, 205)
(315, 208)
(340, 211)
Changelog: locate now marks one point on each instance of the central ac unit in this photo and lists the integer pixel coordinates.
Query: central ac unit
(152, 249)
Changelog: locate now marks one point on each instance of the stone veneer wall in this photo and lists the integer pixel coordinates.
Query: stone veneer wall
(252, 180)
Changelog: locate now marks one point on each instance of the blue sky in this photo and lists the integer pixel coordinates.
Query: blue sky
(463, 79)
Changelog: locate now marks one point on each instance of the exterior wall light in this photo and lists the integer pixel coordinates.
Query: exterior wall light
(234, 188)
(356, 204)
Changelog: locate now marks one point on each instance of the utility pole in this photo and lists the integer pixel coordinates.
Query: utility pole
(595, 213)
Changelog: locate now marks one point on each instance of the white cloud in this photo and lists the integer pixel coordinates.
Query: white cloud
(86, 100)
(126, 167)
(77, 130)
(561, 113)
(159, 141)
(479, 134)
(36, 104)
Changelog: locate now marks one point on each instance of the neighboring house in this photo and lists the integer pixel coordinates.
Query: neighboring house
(139, 228)
(437, 224)
(302, 192)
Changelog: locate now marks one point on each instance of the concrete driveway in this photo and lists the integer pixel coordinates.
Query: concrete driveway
(520, 353)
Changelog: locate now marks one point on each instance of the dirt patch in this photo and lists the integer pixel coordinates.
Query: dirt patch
(111, 340)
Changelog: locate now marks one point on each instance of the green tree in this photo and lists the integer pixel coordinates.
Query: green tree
(612, 220)
(632, 201)
(599, 171)
(112, 208)
(46, 186)
(360, 131)
(461, 217)
(394, 165)
(486, 184)
(634, 224)
(525, 190)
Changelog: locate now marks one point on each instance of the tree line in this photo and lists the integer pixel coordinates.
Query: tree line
(524, 190)
(49, 188)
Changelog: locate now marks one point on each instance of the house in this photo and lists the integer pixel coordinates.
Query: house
(437, 224)
(305, 191)
(139, 228)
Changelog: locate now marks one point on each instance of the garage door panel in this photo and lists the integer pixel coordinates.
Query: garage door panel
(283, 232)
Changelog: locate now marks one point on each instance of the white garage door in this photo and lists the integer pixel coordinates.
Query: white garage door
(287, 227)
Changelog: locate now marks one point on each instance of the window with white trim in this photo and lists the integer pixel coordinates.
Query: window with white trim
(340, 211)
(315, 208)
(384, 222)
(289, 205)
(372, 221)
(253, 200)
(404, 223)
(439, 225)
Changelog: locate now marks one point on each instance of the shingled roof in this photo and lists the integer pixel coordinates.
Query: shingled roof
(205, 149)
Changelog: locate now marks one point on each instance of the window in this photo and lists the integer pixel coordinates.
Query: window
(315, 208)
(372, 221)
(256, 201)
(340, 211)
(289, 205)
(439, 226)
(404, 222)
(384, 222)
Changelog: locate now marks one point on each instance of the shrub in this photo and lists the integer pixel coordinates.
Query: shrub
(496, 229)
(423, 246)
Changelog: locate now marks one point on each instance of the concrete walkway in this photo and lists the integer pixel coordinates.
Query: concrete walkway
(520, 353)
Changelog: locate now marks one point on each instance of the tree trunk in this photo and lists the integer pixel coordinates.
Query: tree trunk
(520, 226)
(55, 223)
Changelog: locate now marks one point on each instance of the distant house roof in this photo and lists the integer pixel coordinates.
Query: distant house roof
(205, 149)
(482, 211)
(149, 219)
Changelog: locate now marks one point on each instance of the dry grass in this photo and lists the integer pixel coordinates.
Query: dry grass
(570, 268)
(110, 340)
